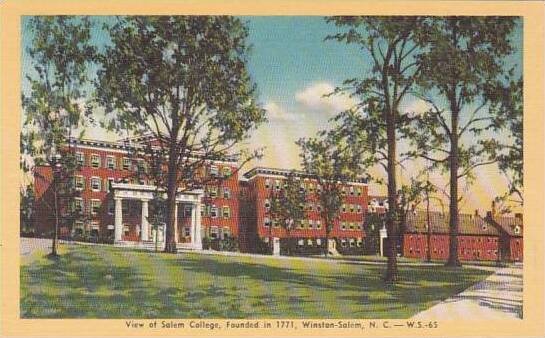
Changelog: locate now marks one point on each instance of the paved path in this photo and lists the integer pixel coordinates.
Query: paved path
(497, 297)
(31, 245)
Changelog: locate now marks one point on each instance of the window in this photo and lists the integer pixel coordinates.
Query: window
(214, 170)
(187, 211)
(359, 226)
(95, 206)
(275, 223)
(311, 224)
(141, 165)
(318, 224)
(187, 231)
(213, 192)
(95, 161)
(80, 158)
(214, 211)
(310, 207)
(267, 183)
(95, 183)
(226, 212)
(343, 243)
(267, 204)
(78, 225)
(343, 225)
(343, 208)
(226, 171)
(351, 225)
(517, 230)
(318, 188)
(352, 192)
(226, 192)
(358, 191)
(78, 205)
(359, 209)
(352, 208)
(267, 222)
(110, 162)
(214, 231)
(126, 163)
(311, 188)
(319, 208)
(277, 185)
(79, 182)
(226, 232)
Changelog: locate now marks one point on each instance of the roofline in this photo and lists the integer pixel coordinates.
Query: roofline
(269, 171)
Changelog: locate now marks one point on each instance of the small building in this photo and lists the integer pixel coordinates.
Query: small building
(479, 238)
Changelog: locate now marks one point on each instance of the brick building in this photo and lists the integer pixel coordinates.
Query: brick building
(479, 238)
(347, 231)
(111, 202)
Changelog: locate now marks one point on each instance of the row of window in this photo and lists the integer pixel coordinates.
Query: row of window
(95, 183)
(214, 212)
(310, 187)
(312, 224)
(217, 171)
(345, 208)
(109, 161)
(214, 192)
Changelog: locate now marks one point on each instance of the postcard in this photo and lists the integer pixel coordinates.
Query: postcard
(250, 169)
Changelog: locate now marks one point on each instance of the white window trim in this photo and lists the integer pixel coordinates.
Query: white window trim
(91, 204)
(99, 183)
(99, 161)
(126, 159)
(82, 163)
(110, 157)
(82, 182)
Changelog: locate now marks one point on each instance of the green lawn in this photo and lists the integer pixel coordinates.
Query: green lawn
(108, 282)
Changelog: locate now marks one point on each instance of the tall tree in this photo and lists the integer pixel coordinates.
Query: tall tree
(54, 105)
(507, 111)
(461, 57)
(332, 159)
(288, 206)
(184, 81)
(389, 44)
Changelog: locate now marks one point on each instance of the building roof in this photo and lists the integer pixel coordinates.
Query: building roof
(469, 224)
(507, 224)
(285, 172)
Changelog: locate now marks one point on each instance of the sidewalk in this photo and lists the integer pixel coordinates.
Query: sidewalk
(498, 297)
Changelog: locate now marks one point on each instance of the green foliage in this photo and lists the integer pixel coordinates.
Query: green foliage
(507, 117)
(288, 203)
(332, 162)
(183, 81)
(26, 211)
(55, 107)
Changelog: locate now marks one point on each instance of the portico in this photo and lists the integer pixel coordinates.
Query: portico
(144, 194)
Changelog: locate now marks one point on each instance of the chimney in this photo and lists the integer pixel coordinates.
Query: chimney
(476, 212)
(518, 215)
(493, 209)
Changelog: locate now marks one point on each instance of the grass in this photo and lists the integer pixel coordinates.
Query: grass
(108, 282)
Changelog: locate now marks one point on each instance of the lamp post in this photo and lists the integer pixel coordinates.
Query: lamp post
(57, 167)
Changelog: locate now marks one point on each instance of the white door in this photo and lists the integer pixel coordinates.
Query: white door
(276, 246)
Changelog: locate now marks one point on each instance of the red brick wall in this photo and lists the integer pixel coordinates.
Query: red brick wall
(516, 249)
(469, 247)
(260, 194)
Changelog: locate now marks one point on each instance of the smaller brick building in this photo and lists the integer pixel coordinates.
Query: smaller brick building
(479, 238)
(347, 233)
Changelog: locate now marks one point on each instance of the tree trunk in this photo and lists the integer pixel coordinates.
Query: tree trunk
(391, 217)
(428, 252)
(172, 187)
(453, 207)
(326, 243)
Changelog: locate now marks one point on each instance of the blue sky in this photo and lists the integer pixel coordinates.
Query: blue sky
(294, 67)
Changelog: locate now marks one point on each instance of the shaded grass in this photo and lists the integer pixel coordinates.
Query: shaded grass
(108, 282)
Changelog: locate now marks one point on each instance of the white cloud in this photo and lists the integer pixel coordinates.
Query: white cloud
(312, 98)
(276, 112)
(415, 106)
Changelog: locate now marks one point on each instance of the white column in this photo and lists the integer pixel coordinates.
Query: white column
(144, 227)
(197, 242)
(176, 223)
(118, 219)
(383, 234)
